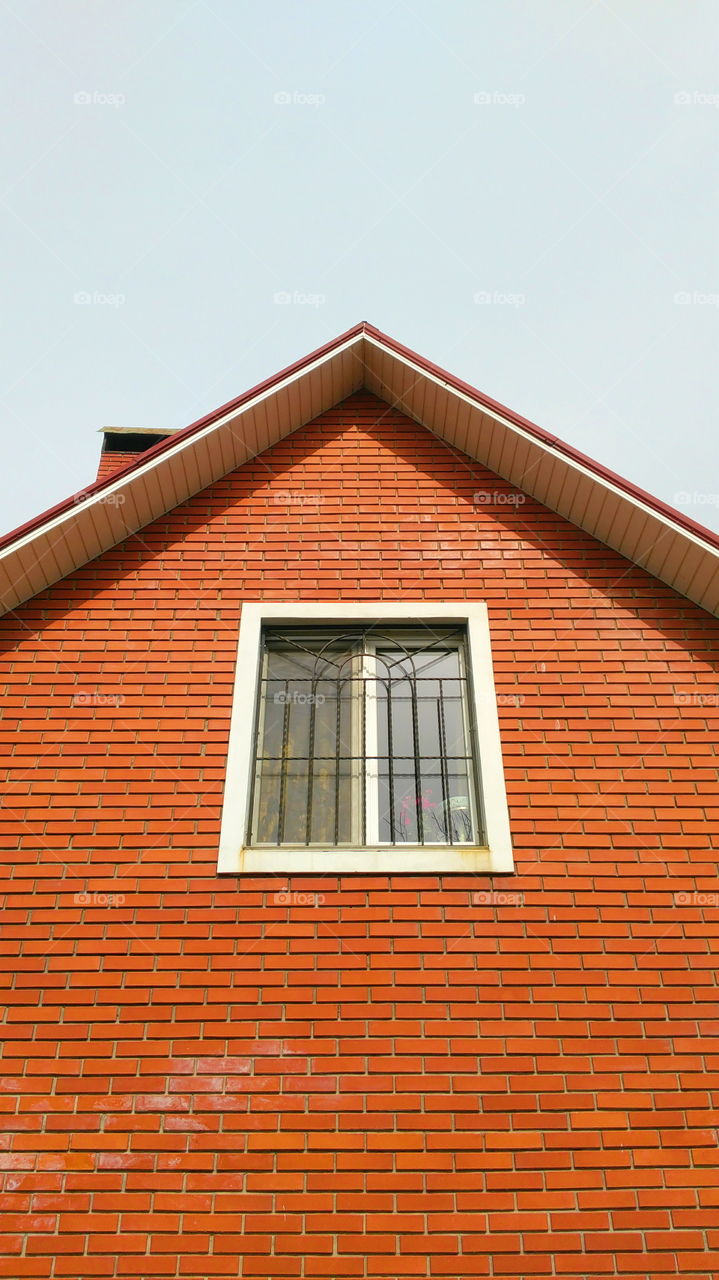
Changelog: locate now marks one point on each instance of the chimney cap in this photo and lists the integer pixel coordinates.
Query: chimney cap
(130, 439)
(140, 431)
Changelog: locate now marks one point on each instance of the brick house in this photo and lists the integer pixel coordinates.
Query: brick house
(359, 820)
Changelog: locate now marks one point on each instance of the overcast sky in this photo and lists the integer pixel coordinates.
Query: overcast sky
(525, 192)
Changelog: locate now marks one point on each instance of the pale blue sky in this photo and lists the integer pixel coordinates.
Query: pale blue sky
(525, 192)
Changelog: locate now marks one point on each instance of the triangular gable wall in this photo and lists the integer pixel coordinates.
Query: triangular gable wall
(362, 501)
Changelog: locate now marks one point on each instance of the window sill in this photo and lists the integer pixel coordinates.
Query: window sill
(384, 860)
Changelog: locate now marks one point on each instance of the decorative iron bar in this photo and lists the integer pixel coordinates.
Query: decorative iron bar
(364, 738)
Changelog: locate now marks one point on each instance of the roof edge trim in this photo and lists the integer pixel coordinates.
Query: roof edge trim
(580, 461)
(54, 517)
(178, 437)
(508, 417)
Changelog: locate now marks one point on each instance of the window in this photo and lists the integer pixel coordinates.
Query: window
(364, 737)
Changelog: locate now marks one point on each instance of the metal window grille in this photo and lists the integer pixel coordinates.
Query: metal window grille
(364, 738)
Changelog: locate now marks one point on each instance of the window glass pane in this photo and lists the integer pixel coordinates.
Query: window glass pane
(294, 826)
(398, 808)
(304, 772)
(422, 733)
(265, 822)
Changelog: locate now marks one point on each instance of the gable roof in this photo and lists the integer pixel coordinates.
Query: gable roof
(663, 541)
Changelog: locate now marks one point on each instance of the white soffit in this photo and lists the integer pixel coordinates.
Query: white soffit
(104, 514)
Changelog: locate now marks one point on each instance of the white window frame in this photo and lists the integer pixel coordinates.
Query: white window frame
(238, 858)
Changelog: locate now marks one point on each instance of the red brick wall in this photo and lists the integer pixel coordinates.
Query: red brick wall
(111, 462)
(202, 1079)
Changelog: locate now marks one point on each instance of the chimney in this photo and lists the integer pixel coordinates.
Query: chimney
(121, 445)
